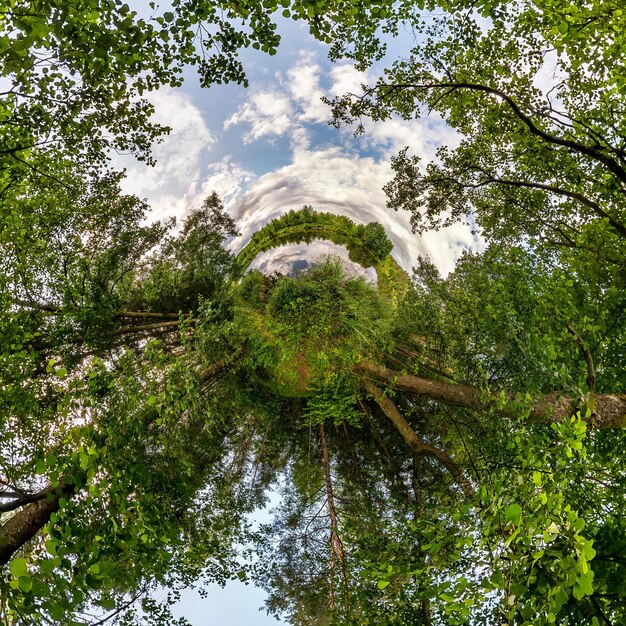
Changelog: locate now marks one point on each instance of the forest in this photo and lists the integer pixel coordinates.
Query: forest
(448, 449)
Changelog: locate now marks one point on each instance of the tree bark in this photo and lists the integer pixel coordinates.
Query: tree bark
(419, 447)
(607, 410)
(26, 523)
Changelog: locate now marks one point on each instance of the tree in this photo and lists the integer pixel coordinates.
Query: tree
(446, 462)
(538, 157)
(450, 511)
(102, 442)
(420, 437)
(76, 74)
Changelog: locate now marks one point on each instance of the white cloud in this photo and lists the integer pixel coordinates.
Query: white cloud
(268, 112)
(179, 156)
(293, 101)
(304, 87)
(346, 79)
(443, 247)
(335, 181)
(227, 178)
(422, 136)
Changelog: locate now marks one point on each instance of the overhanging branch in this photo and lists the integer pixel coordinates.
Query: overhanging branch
(608, 410)
(575, 146)
(417, 445)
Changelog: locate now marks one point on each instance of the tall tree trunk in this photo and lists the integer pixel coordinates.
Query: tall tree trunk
(608, 410)
(419, 512)
(22, 526)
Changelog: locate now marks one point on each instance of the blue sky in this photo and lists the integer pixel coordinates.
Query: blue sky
(268, 149)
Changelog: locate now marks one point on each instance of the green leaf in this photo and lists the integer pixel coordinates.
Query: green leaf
(513, 513)
(19, 567)
(40, 467)
(57, 612)
(382, 584)
(584, 585)
(107, 603)
(41, 589)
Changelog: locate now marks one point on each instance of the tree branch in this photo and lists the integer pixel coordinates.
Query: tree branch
(608, 410)
(25, 524)
(574, 195)
(575, 146)
(416, 444)
(50, 308)
(21, 499)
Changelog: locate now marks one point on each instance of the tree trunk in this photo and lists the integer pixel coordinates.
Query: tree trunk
(26, 523)
(608, 410)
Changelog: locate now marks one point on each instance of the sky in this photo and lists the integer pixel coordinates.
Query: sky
(268, 149)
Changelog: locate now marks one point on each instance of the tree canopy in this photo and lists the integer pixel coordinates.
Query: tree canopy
(153, 419)
(448, 448)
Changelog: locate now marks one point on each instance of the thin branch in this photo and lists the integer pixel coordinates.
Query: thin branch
(417, 445)
(601, 613)
(591, 371)
(574, 195)
(575, 146)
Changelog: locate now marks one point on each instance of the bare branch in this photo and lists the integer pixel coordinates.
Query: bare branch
(417, 445)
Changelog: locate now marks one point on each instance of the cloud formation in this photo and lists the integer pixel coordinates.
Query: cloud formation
(329, 180)
(267, 112)
(180, 156)
(328, 169)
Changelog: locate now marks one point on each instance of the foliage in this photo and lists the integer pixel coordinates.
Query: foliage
(151, 435)
(303, 331)
(537, 157)
(530, 332)
(367, 245)
(450, 449)
(191, 265)
(99, 419)
(77, 73)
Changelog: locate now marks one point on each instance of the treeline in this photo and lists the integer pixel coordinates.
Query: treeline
(367, 244)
